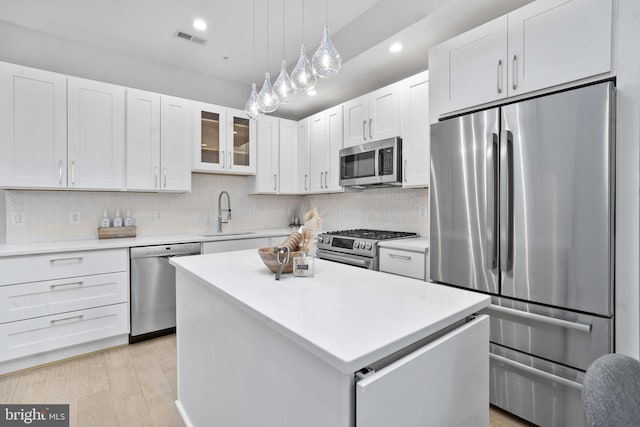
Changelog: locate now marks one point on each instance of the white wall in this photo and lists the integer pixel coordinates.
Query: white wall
(40, 50)
(627, 180)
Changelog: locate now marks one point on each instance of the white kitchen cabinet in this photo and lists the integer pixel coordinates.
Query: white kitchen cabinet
(236, 245)
(472, 67)
(415, 131)
(33, 127)
(267, 173)
(540, 45)
(224, 140)
(302, 173)
(325, 142)
(288, 157)
(373, 116)
(558, 41)
(404, 263)
(95, 144)
(62, 304)
(158, 142)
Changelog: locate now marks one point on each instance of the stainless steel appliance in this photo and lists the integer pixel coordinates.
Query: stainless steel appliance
(153, 289)
(356, 247)
(522, 208)
(373, 164)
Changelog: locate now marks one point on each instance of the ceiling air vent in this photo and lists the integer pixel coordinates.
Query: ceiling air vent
(189, 37)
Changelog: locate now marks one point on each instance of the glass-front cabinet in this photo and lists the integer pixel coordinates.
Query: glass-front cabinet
(224, 140)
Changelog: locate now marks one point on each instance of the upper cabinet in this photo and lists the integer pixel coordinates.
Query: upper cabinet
(158, 142)
(373, 116)
(224, 140)
(95, 149)
(267, 174)
(303, 160)
(290, 178)
(415, 130)
(325, 142)
(33, 128)
(60, 132)
(543, 44)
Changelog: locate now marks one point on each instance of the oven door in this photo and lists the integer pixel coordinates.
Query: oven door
(356, 260)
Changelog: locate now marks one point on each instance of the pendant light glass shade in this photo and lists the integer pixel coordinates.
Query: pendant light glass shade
(303, 75)
(251, 107)
(268, 101)
(283, 86)
(326, 61)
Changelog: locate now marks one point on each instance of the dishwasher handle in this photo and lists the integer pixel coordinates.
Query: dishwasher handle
(182, 249)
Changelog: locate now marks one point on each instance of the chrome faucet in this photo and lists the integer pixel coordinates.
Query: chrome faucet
(227, 211)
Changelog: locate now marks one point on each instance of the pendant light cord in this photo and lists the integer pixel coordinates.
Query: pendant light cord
(303, 22)
(326, 12)
(283, 32)
(267, 36)
(254, 41)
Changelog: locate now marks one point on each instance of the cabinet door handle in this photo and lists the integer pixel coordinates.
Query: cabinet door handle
(321, 174)
(306, 180)
(74, 284)
(64, 261)
(54, 321)
(155, 179)
(404, 257)
(73, 173)
(404, 171)
(364, 135)
(275, 180)
(60, 172)
(224, 164)
(370, 134)
(515, 72)
(230, 162)
(164, 173)
(499, 84)
(326, 178)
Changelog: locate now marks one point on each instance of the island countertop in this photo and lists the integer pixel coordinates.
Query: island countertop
(347, 316)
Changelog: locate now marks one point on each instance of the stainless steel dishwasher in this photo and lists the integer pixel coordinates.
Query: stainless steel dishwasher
(153, 289)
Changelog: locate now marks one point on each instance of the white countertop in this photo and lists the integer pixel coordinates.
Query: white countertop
(7, 250)
(347, 316)
(417, 244)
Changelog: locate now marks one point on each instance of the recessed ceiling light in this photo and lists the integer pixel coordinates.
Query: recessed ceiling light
(199, 24)
(396, 47)
(312, 92)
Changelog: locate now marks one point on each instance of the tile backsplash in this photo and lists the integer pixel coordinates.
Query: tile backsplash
(47, 215)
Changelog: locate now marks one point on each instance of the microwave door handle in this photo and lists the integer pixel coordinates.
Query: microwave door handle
(377, 163)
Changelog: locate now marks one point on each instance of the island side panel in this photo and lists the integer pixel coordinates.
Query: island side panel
(235, 370)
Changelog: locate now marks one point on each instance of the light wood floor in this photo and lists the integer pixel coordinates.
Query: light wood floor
(128, 386)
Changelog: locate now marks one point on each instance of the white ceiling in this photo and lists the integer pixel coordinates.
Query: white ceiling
(361, 30)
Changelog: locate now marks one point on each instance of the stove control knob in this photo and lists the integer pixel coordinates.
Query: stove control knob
(327, 240)
(361, 245)
(369, 245)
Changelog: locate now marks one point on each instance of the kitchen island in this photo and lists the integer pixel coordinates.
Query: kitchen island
(348, 347)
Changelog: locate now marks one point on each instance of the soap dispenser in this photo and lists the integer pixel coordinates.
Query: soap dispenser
(105, 221)
(128, 221)
(117, 220)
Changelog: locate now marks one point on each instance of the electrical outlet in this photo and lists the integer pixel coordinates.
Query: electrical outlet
(19, 218)
(74, 218)
(158, 215)
(423, 212)
(248, 212)
(290, 212)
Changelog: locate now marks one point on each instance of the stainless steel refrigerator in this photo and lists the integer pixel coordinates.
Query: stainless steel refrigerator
(522, 208)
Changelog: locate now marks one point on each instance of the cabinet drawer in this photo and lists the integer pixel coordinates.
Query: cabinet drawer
(234, 245)
(404, 263)
(61, 265)
(27, 337)
(24, 301)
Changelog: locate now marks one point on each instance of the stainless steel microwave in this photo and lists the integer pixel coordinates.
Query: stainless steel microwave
(373, 164)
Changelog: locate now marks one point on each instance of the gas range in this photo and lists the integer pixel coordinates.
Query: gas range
(357, 247)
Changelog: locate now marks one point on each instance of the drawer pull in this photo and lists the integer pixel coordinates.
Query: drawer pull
(64, 261)
(536, 372)
(58, 285)
(580, 327)
(403, 257)
(79, 317)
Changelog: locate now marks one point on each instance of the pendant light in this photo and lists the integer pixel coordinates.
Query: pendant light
(303, 76)
(326, 61)
(268, 101)
(251, 107)
(283, 86)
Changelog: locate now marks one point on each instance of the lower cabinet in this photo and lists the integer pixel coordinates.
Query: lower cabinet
(62, 304)
(241, 244)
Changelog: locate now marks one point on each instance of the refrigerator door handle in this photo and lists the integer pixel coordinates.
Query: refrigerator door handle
(575, 326)
(506, 201)
(536, 372)
(490, 206)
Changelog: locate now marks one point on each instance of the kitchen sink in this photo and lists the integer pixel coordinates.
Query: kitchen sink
(230, 233)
